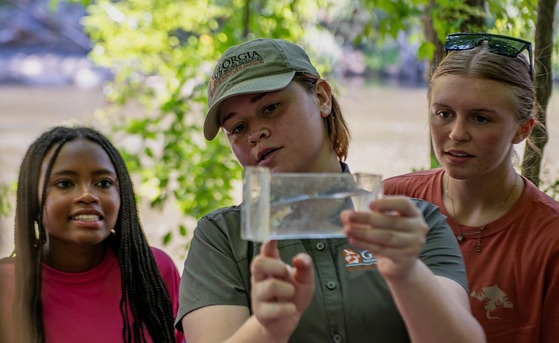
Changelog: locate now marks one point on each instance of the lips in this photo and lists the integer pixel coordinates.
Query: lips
(264, 153)
(86, 218)
(458, 154)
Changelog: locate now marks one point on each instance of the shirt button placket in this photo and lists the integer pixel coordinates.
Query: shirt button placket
(326, 270)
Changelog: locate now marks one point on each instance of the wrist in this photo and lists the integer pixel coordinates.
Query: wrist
(406, 276)
(265, 335)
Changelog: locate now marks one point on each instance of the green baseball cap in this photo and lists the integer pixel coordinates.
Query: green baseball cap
(256, 66)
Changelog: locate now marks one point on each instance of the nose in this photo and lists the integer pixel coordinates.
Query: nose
(258, 133)
(459, 131)
(86, 195)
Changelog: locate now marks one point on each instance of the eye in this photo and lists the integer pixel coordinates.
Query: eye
(443, 114)
(271, 108)
(238, 128)
(63, 184)
(105, 183)
(481, 119)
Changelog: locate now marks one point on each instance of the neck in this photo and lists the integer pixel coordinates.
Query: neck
(479, 203)
(74, 260)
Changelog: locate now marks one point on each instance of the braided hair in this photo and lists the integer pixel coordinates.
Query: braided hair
(143, 289)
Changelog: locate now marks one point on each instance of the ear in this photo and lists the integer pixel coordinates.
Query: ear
(324, 97)
(524, 131)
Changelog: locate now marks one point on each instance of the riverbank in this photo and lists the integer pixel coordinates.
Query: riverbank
(390, 136)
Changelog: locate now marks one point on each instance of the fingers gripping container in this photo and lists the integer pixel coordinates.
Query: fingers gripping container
(302, 205)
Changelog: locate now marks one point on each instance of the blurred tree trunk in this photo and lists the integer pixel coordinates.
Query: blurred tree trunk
(246, 19)
(531, 163)
(431, 36)
(474, 23)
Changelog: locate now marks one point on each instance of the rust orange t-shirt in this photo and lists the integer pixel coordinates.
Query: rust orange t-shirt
(514, 279)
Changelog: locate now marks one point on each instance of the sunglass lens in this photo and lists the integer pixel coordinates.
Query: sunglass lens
(461, 42)
(506, 47)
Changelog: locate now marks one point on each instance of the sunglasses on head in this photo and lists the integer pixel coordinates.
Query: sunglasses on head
(497, 44)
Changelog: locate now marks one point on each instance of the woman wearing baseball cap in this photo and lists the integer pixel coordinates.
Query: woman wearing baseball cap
(410, 282)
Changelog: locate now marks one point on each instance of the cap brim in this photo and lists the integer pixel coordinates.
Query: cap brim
(262, 84)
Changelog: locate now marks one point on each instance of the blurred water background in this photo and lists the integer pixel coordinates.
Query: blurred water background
(46, 79)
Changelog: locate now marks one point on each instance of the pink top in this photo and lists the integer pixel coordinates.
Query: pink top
(85, 307)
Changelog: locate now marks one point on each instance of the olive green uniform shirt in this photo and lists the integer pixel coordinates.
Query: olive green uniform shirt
(351, 303)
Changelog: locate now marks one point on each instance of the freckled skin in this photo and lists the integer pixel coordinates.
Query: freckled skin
(289, 122)
(473, 126)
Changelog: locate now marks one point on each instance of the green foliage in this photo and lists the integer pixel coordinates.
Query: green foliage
(550, 183)
(390, 18)
(162, 53)
(552, 190)
(7, 195)
(516, 17)
(426, 50)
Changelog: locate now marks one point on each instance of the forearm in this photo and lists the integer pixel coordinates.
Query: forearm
(431, 311)
(253, 331)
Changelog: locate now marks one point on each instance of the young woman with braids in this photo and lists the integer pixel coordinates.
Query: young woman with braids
(82, 270)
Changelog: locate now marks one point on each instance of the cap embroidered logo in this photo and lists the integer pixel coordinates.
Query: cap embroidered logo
(233, 65)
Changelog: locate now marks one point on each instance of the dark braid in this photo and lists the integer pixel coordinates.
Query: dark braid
(143, 289)
(28, 318)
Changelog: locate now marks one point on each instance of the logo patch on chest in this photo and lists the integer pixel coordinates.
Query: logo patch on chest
(354, 260)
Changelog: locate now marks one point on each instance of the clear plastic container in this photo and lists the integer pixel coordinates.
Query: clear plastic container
(302, 205)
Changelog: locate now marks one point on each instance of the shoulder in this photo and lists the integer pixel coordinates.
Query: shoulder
(418, 175)
(536, 214)
(224, 221)
(7, 260)
(7, 275)
(218, 234)
(7, 268)
(165, 264)
(161, 257)
(403, 184)
(534, 194)
(168, 271)
(425, 184)
(7, 295)
(222, 213)
(542, 208)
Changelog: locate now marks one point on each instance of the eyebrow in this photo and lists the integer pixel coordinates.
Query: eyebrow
(254, 99)
(71, 173)
(444, 105)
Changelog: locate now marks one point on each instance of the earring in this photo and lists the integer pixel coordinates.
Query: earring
(113, 232)
(37, 234)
